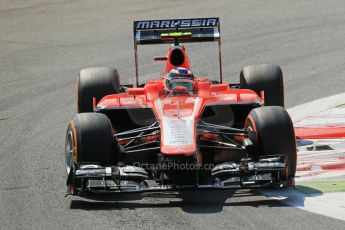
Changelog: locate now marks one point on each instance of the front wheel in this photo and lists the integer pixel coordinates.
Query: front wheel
(90, 139)
(273, 134)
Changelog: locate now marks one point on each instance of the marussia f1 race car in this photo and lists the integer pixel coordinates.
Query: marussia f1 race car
(179, 132)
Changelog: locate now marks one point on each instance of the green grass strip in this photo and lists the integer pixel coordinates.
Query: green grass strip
(341, 106)
(314, 187)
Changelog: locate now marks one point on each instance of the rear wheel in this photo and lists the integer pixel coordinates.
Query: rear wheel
(273, 134)
(267, 78)
(96, 83)
(89, 139)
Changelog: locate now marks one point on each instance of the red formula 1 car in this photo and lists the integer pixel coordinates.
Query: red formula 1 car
(182, 131)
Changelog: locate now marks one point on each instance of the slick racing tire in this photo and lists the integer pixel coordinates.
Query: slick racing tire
(267, 78)
(273, 134)
(95, 83)
(89, 139)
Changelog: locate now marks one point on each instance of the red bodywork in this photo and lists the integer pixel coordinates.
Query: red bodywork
(178, 114)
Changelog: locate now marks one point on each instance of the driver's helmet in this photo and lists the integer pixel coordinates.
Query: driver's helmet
(180, 77)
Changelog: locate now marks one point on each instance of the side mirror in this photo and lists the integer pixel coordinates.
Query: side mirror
(160, 58)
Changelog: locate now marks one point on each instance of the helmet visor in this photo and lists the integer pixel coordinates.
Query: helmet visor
(188, 85)
(182, 82)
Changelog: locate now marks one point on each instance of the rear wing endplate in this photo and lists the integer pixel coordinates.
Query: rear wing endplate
(151, 32)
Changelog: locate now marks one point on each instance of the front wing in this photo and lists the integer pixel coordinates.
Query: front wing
(92, 178)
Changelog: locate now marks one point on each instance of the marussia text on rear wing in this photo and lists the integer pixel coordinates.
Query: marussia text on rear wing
(197, 29)
(151, 32)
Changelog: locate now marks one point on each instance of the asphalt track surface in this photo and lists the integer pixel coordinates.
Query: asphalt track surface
(43, 43)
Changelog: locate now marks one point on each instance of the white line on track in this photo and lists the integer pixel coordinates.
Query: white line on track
(327, 204)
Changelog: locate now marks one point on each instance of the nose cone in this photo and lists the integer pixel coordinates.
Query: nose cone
(177, 117)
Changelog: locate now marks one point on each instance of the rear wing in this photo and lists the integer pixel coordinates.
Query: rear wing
(151, 32)
(201, 29)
